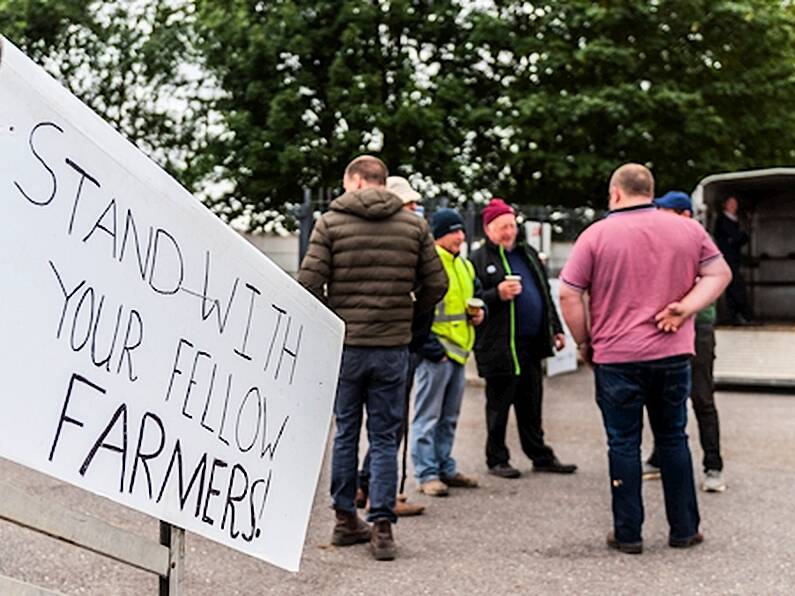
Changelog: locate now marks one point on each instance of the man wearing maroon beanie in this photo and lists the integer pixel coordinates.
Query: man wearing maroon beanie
(523, 328)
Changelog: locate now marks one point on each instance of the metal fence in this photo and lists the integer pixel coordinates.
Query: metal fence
(567, 222)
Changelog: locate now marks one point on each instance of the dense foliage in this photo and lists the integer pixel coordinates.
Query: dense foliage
(247, 102)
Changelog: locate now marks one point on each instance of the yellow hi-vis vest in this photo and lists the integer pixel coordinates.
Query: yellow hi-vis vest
(450, 324)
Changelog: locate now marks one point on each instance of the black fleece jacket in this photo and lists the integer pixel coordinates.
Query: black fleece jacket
(494, 346)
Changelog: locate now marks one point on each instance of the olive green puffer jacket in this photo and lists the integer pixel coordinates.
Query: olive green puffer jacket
(369, 259)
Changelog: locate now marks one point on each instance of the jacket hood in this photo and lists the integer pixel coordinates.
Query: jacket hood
(368, 203)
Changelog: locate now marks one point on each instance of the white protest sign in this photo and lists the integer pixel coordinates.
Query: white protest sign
(566, 359)
(149, 354)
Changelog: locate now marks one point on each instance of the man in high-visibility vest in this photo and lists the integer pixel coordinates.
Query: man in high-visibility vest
(440, 373)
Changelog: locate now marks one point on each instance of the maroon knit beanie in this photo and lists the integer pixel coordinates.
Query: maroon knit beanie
(494, 209)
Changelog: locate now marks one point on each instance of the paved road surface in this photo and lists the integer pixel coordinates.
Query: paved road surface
(537, 535)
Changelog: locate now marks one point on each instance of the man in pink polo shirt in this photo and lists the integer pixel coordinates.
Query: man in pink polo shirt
(646, 273)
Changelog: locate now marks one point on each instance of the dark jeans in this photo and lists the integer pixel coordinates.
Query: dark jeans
(374, 378)
(703, 396)
(621, 392)
(737, 298)
(364, 473)
(525, 393)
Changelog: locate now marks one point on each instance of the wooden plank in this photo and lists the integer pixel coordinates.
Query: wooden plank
(90, 533)
(174, 538)
(14, 587)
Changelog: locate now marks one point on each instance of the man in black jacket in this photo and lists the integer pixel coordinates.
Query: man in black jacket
(522, 329)
(731, 238)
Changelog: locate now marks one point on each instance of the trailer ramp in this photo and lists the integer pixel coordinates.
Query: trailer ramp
(756, 356)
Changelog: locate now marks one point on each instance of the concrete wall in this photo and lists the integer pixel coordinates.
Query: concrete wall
(282, 250)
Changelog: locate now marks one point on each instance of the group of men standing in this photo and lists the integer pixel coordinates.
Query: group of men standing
(412, 302)
(415, 308)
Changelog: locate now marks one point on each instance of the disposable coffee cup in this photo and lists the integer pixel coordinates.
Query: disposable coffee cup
(513, 278)
(474, 305)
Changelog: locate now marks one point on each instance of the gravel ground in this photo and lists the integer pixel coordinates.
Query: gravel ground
(540, 534)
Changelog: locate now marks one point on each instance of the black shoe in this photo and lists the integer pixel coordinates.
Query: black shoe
(555, 467)
(504, 471)
(630, 548)
(361, 496)
(695, 539)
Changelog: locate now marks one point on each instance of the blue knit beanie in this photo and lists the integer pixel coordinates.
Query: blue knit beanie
(445, 221)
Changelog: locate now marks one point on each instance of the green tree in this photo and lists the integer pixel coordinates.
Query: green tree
(134, 63)
(690, 87)
(248, 101)
(309, 85)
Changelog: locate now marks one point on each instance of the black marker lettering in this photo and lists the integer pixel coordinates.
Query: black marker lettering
(252, 391)
(178, 262)
(281, 312)
(255, 531)
(66, 418)
(83, 177)
(106, 360)
(215, 305)
(48, 200)
(211, 490)
(143, 457)
(291, 352)
(207, 402)
(111, 208)
(89, 293)
(67, 297)
(130, 345)
(226, 407)
(121, 412)
(242, 351)
(271, 447)
(192, 381)
(229, 508)
(196, 478)
(129, 224)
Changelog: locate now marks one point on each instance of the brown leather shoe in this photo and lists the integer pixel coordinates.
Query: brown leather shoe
(405, 509)
(695, 539)
(349, 529)
(434, 488)
(382, 544)
(460, 481)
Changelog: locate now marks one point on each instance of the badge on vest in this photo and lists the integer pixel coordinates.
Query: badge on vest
(491, 269)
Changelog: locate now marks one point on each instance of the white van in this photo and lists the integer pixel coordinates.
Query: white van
(762, 354)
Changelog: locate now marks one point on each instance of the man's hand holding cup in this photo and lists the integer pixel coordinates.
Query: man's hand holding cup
(475, 310)
(510, 287)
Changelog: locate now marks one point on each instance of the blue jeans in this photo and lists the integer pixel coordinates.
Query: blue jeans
(440, 389)
(621, 392)
(374, 378)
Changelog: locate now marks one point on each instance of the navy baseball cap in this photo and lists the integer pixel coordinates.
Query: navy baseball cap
(676, 200)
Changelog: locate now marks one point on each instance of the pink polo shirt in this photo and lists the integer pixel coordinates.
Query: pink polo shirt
(632, 264)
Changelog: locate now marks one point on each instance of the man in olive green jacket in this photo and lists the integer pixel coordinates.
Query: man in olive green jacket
(372, 262)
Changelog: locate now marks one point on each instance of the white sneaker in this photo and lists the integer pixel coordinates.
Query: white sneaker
(650, 472)
(713, 482)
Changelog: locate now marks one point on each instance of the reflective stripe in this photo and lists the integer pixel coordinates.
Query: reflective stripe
(450, 318)
(451, 324)
(454, 350)
(441, 315)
